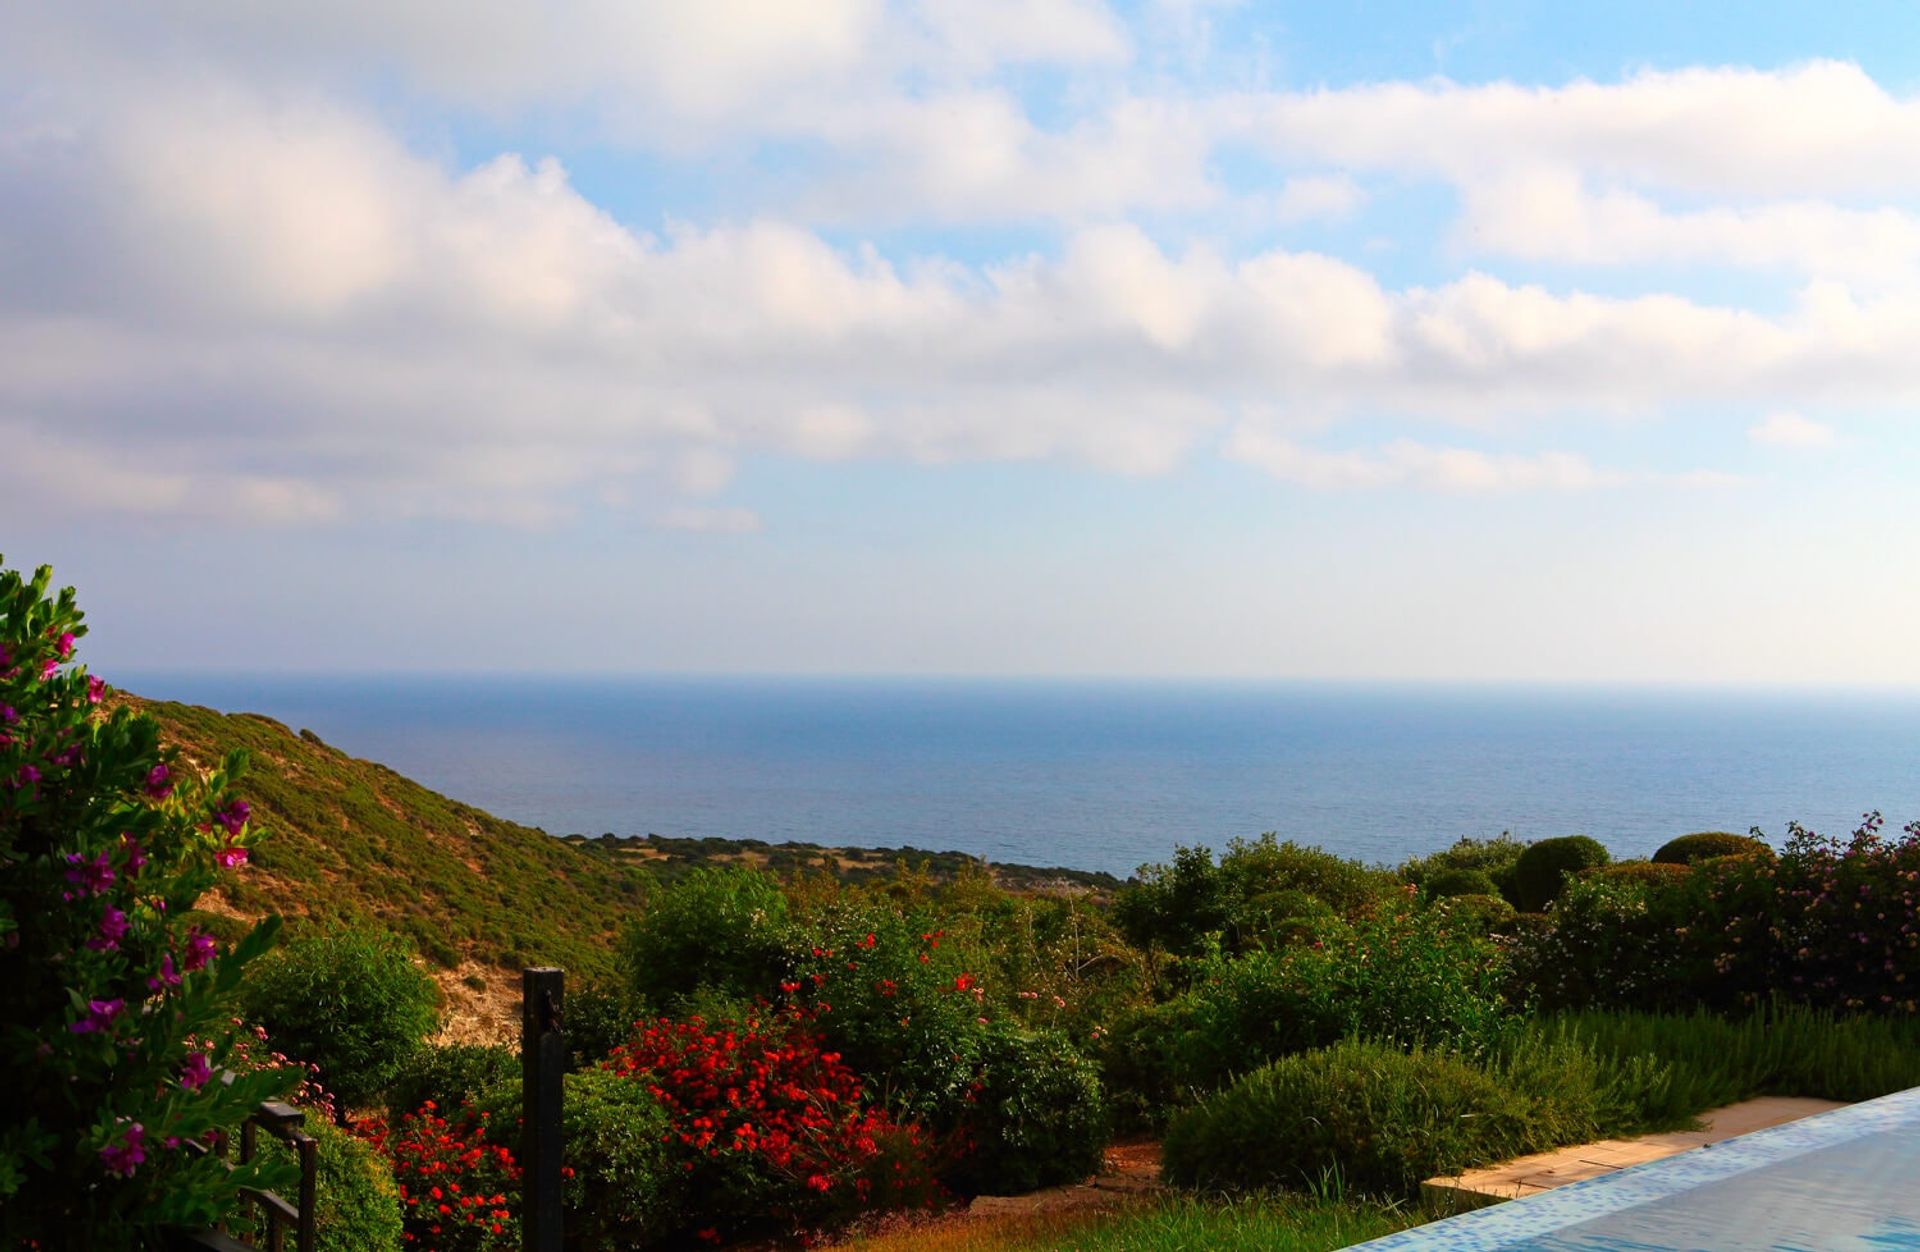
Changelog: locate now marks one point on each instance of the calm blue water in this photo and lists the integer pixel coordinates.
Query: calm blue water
(1107, 775)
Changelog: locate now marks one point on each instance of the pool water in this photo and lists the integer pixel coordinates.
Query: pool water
(1844, 1180)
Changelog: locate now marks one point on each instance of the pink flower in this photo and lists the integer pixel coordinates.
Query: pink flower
(136, 855)
(63, 646)
(230, 856)
(100, 1015)
(91, 874)
(48, 668)
(234, 816)
(200, 950)
(167, 977)
(96, 688)
(124, 1157)
(194, 1074)
(159, 783)
(113, 928)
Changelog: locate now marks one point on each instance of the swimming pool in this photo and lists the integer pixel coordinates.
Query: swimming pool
(1844, 1180)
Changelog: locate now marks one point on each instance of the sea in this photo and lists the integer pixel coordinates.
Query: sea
(1110, 775)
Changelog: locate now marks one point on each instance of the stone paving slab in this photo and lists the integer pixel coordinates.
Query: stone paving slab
(1543, 1171)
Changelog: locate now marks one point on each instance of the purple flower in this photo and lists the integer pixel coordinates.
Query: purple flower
(167, 977)
(136, 855)
(92, 874)
(113, 928)
(230, 856)
(28, 774)
(100, 1015)
(124, 1157)
(96, 687)
(63, 646)
(159, 783)
(7, 715)
(200, 950)
(234, 816)
(194, 1074)
(48, 668)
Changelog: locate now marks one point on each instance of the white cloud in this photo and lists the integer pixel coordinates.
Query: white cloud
(1311, 197)
(184, 303)
(1407, 463)
(710, 521)
(1791, 430)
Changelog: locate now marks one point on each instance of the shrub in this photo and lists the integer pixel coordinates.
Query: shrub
(350, 1001)
(1140, 1065)
(457, 1190)
(1493, 857)
(1478, 914)
(1380, 1119)
(1276, 919)
(1037, 1116)
(357, 1202)
(1400, 974)
(1542, 869)
(1265, 865)
(1649, 873)
(1461, 882)
(624, 1182)
(115, 1009)
(771, 1128)
(1173, 906)
(720, 928)
(1177, 906)
(453, 1075)
(600, 1017)
(1689, 849)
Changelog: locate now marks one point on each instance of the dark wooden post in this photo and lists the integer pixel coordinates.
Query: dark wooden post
(543, 1059)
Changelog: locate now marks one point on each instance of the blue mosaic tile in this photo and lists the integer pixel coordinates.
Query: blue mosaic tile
(1843, 1180)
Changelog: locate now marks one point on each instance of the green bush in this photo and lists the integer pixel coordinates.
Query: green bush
(1139, 1060)
(1461, 882)
(721, 929)
(1037, 1119)
(1478, 914)
(1400, 974)
(453, 1075)
(1173, 906)
(626, 1189)
(1690, 849)
(1493, 857)
(1542, 870)
(1177, 906)
(1380, 1119)
(1652, 873)
(1253, 868)
(600, 1017)
(1277, 919)
(352, 1002)
(356, 1201)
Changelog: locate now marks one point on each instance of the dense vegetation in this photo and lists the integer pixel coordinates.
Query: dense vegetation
(779, 1042)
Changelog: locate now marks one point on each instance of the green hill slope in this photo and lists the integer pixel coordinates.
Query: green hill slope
(354, 841)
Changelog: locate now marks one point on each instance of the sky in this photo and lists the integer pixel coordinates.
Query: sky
(1483, 342)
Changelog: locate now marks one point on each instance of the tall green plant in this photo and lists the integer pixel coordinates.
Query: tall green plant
(115, 1010)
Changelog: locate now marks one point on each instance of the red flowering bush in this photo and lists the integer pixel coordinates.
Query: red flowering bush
(458, 1192)
(116, 1030)
(773, 1128)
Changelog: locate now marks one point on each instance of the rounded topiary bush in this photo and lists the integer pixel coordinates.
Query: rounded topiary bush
(1379, 1119)
(1037, 1119)
(1648, 873)
(1542, 869)
(350, 1001)
(1461, 882)
(1708, 844)
(1478, 914)
(452, 1075)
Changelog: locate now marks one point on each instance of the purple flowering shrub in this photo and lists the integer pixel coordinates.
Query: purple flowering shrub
(117, 1032)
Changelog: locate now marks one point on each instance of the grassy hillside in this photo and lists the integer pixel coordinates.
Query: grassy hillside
(354, 841)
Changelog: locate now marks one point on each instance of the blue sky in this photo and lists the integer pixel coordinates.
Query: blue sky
(1525, 342)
